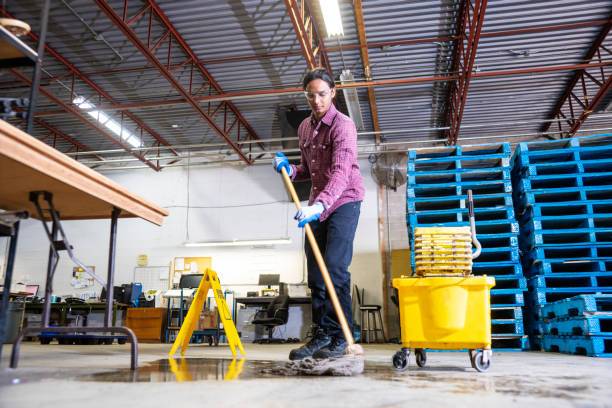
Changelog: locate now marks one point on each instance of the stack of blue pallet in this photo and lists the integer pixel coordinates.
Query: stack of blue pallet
(563, 201)
(437, 185)
(578, 325)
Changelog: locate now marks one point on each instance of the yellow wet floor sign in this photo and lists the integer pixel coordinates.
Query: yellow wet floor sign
(210, 280)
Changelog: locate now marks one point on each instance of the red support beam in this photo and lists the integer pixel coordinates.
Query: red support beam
(156, 16)
(313, 47)
(577, 86)
(95, 88)
(366, 84)
(77, 113)
(469, 26)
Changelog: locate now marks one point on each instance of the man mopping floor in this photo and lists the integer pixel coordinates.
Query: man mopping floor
(328, 147)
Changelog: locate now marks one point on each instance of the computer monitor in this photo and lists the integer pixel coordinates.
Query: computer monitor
(269, 279)
(190, 280)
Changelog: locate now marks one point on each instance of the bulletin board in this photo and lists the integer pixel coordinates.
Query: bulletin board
(181, 265)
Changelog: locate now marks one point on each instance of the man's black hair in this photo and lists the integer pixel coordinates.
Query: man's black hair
(318, 73)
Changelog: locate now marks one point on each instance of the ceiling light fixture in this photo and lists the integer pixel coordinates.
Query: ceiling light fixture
(107, 121)
(331, 15)
(237, 242)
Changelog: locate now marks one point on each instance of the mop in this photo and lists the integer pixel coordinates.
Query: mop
(352, 361)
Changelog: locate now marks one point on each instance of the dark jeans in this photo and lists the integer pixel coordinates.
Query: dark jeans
(334, 237)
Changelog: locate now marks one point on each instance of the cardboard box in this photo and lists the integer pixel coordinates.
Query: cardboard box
(208, 319)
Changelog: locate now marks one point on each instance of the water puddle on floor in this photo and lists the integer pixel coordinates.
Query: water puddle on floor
(217, 369)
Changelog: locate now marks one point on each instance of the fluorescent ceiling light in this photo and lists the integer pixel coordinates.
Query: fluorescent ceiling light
(237, 242)
(352, 99)
(107, 121)
(331, 15)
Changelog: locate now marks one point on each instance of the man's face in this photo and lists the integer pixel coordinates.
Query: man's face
(319, 96)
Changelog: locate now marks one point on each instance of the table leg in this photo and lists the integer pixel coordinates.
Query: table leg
(112, 248)
(8, 277)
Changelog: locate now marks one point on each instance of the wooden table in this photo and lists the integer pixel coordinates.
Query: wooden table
(31, 171)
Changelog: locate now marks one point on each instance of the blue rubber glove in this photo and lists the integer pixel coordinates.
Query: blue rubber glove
(309, 213)
(280, 161)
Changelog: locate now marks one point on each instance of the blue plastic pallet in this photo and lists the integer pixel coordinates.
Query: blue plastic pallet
(510, 343)
(525, 157)
(569, 254)
(501, 268)
(478, 152)
(578, 306)
(523, 199)
(584, 346)
(531, 239)
(506, 312)
(601, 280)
(485, 195)
(458, 197)
(497, 212)
(553, 222)
(498, 254)
(556, 181)
(542, 296)
(507, 327)
(564, 167)
(596, 146)
(564, 208)
(600, 325)
(510, 282)
(456, 175)
(560, 267)
(507, 298)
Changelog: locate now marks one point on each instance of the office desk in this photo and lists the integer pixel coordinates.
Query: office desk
(29, 170)
(61, 309)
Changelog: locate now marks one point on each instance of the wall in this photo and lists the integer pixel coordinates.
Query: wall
(226, 203)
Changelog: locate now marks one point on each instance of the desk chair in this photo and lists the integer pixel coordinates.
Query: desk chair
(373, 317)
(275, 314)
(78, 312)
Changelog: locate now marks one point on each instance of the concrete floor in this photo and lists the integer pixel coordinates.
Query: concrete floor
(97, 376)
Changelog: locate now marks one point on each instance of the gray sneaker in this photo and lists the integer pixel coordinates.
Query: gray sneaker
(319, 340)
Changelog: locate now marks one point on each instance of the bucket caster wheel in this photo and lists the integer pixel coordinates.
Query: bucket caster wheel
(478, 360)
(400, 359)
(421, 357)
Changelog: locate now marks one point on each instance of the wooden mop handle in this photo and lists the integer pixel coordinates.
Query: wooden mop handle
(317, 253)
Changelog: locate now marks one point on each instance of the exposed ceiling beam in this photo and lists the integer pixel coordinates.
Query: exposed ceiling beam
(569, 119)
(469, 26)
(372, 45)
(70, 108)
(100, 94)
(266, 93)
(145, 46)
(304, 25)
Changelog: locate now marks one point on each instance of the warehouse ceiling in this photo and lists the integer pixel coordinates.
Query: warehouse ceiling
(197, 82)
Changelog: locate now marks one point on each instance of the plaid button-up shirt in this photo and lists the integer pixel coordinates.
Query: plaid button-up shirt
(329, 158)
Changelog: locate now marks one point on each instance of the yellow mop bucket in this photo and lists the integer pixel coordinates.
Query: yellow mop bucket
(445, 308)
